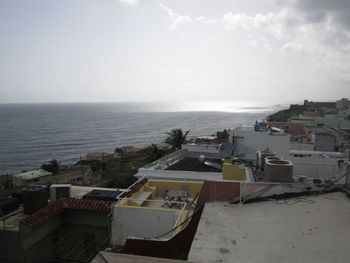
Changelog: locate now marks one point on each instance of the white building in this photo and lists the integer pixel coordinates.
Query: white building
(37, 176)
(313, 164)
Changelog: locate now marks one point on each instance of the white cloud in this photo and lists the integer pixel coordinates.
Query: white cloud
(175, 18)
(276, 24)
(132, 3)
(297, 34)
(206, 21)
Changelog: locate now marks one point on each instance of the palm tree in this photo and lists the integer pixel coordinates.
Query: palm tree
(176, 138)
(154, 153)
(53, 167)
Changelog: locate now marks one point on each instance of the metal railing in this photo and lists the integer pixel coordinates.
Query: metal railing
(167, 160)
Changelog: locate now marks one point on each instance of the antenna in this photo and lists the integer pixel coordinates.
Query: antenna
(226, 150)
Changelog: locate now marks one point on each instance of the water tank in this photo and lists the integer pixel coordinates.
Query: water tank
(34, 197)
(260, 158)
(58, 191)
(272, 158)
(279, 171)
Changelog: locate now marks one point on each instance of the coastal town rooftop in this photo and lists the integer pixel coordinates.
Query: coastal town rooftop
(175, 166)
(32, 174)
(152, 208)
(309, 227)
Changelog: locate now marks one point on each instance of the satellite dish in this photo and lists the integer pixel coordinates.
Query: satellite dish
(226, 150)
(201, 158)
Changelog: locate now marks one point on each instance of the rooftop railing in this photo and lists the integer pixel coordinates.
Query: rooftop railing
(167, 161)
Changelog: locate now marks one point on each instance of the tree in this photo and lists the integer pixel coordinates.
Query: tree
(119, 151)
(176, 138)
(222, 134)
(52, 167)
(153, 153)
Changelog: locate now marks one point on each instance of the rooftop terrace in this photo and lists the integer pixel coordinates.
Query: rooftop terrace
(302, 229)
(152, 208)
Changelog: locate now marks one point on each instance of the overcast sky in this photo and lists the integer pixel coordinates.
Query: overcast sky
(150, 50)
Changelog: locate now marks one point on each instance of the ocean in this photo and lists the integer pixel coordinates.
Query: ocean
(32, 134)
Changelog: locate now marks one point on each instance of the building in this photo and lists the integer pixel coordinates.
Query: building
(312, 104)
(152, 208)
(344, 114)
(332, 121)
(232, 219)
(313, 112)
(248, 142)
(73, 227)
(314, 164)
(185, 164)
(38, 176)
(297, 131)
(342, 104)
(100, 156)
(77, 175)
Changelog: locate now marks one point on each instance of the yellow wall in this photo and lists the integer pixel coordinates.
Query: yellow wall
(233, 172)
(153, 188)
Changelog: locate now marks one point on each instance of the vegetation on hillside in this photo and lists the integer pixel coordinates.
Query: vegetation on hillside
(153, 153)
(285, 115)
(96, 165)
(119, 151)
(52, 166)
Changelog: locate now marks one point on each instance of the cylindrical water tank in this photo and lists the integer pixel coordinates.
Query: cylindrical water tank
(279, 171)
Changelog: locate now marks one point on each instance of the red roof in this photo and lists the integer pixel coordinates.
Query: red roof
(55, 208)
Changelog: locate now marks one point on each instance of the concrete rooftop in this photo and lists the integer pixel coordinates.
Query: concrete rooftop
(303, 229)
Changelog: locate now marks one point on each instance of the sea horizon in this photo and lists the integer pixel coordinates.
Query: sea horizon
(32, 134)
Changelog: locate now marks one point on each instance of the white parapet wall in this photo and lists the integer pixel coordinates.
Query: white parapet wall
(178, 175)
(315, 167)
(249, 142)
(141, 222)
(200, 148)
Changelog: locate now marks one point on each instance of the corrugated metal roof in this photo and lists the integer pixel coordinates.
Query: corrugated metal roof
(53, 209)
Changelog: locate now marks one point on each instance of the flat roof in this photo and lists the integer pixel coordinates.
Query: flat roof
(300, 229)
(32, 174)
(111, 257)
(80, 191)
(337, 154)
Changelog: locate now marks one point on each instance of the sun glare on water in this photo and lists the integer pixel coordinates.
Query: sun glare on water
(218, 106)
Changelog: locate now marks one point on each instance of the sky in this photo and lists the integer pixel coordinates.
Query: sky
(174, 50)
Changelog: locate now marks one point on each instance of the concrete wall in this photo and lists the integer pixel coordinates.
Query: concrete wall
(140, 223)
(10, 247)
(324, 142)
(178, 175)
(315, 167)
(301, 146)
(86, 218)
(252, 141)
(212, 191)
(201, 148)
(31, 236)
